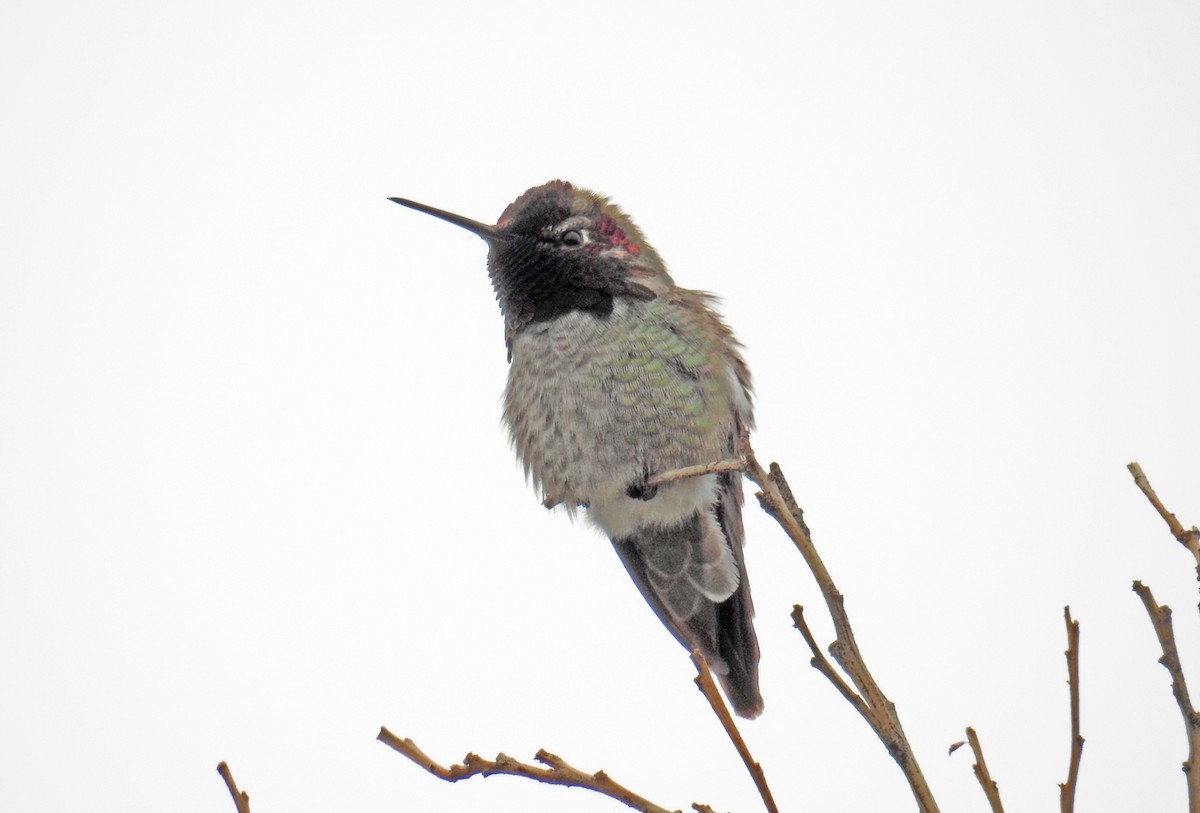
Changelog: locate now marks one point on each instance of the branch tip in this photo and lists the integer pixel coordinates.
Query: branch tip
(241, 799)
(708, 687)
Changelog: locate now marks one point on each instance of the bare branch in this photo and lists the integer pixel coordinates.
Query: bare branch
(664, 477)
(241, 799)
(1160, 617)
(708, 687)
(990, 788)
(1190, 539)
(736, 464)
(777, 500)
(557, 772)
(1067, 789)
(822, 665)
(1143, 482)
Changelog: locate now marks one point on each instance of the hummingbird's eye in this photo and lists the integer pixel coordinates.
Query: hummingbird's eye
(572, 238)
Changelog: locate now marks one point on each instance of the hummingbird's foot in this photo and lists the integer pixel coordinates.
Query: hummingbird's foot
(641, 491)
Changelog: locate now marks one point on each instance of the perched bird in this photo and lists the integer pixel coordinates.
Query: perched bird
(616, 374)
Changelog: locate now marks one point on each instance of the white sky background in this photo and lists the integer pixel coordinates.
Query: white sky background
(255, 500)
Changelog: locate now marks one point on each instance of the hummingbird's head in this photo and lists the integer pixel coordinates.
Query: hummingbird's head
(558, 248)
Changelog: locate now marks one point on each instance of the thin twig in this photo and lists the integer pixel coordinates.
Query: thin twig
(241, 799)
(777, 500)
(990, 788)
(1190, 539)
(708, 687)
(671, 475)
(1067, 789)
(557, 772)
(1160, 617)
(1172, 521)
(822, 664)
(663, 477)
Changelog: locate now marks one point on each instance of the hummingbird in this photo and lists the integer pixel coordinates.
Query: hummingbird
(617, 374)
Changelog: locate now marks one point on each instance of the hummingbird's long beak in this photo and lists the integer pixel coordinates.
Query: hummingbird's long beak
(484, 230)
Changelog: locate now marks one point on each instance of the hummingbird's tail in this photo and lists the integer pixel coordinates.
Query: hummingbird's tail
(693, 575)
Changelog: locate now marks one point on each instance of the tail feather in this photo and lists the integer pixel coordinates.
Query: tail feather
(700, 591)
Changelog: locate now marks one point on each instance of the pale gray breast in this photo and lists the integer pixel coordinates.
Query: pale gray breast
(559, 412)
(587, 414)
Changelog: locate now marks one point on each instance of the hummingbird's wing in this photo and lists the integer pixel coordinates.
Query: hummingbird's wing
(737, 642)
(693, 576)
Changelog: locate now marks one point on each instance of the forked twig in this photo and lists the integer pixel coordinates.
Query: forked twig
(708, 687)
(990, 789)
(556, 772)
(1067, 789)
(241, 799)
(822, 665)
(869, 700)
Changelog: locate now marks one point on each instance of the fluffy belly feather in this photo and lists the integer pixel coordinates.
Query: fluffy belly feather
(595, 405)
